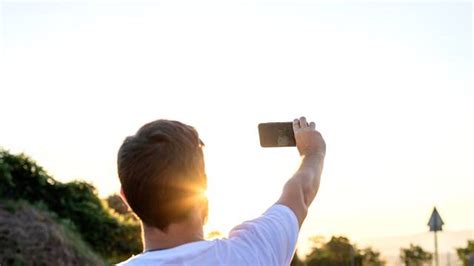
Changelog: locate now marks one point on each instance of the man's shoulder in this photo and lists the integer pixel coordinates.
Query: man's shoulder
(278, 214)
(173, 256)
(268, 239)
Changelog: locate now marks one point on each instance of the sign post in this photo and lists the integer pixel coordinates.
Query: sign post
(436, 224)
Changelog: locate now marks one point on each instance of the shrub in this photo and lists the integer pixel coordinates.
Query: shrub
(105, 231)
(29, 233)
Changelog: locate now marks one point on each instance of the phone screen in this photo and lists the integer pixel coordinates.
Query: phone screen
(276, 134)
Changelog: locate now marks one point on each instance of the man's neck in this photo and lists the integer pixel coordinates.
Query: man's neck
(175, 235)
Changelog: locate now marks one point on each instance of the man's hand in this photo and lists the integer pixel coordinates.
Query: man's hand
(300, 190)
(308, 140)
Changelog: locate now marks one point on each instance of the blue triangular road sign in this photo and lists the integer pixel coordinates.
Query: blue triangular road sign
(435, 223)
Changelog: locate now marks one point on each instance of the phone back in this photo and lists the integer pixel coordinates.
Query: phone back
(278, 134)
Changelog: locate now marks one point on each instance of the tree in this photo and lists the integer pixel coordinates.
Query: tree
(339, 251)
(371, 257)
(214, 234)
(415, 256)
(464, 254)
(75, 203)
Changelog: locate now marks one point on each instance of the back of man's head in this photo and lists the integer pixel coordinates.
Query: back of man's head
(161, 169)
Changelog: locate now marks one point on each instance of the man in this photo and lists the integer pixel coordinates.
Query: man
(161, 169)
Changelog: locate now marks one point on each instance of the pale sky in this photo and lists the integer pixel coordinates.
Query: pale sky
(389, 86)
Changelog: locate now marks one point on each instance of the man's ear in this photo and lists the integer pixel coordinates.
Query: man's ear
(122, 195)
(204, 210)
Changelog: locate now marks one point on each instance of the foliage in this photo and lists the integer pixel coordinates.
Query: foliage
(464, 253)
(415, 256)
(110, 235)
(214, 234)
(371, 257)
(339, 251)
(31, 234)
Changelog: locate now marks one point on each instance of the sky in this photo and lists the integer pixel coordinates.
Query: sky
(389, 86)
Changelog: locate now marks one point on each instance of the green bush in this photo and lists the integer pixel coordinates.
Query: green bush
(465, 253)
(415, 255)
(339, 251)
(32, 234)
(110, 235)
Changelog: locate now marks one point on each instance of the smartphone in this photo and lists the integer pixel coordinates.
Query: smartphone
(278, 134)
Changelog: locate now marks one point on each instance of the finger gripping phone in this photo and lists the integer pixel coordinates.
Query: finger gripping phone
(278, 134)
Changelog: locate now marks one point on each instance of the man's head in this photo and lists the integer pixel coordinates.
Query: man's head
(161, 169)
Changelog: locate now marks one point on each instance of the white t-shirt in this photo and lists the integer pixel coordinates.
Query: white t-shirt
(267, 240)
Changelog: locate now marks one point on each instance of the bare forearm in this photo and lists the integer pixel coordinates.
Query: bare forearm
(309, 175)
(301, 188)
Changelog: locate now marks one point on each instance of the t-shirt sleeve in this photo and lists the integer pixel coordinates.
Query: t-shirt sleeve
(269, 239)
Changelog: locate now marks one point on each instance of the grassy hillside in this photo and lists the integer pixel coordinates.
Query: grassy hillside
(30, 234)
(109, 234)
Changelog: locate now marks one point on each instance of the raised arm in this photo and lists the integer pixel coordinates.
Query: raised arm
(301, 188)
